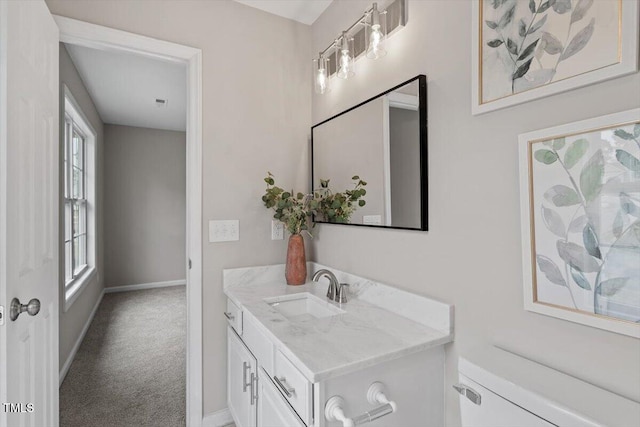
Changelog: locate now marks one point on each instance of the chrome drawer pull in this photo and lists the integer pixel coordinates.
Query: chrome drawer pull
(282, 383)
(254, 389)
(229, 316)
(469, 393)
(245, 366)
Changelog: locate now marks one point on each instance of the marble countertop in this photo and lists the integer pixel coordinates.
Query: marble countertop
(321, 348)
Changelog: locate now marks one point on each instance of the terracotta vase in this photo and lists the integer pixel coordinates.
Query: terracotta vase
(296, 268)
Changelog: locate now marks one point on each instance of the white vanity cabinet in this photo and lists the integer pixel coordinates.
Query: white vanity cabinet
(297, 359)
(273, 409)
(252, 394)
(242, 372)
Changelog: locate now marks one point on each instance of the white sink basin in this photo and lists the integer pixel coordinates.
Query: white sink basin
(303, 305)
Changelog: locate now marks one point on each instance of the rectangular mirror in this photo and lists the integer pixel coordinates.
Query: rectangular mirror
(383, 141)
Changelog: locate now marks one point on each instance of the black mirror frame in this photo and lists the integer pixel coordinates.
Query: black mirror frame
(424, 178)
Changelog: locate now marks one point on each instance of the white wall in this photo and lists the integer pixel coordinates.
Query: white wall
(144, 205)
(256, 117)
(73, 320)
(471, 255)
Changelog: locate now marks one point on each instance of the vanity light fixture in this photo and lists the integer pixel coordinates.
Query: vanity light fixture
(366, 36)
(321, 74)
(376, 33)
(345, 58)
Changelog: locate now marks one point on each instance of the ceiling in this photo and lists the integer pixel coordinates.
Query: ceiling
(124, 88)
(305, 11)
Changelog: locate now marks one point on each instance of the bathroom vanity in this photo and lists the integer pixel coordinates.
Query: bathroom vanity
(296, 358)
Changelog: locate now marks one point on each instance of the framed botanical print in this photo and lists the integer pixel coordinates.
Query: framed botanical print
(527, 49)
(580, 213)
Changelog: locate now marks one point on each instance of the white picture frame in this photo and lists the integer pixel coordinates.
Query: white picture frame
(544, 293)
(625, 62)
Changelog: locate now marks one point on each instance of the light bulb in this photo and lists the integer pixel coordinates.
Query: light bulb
(345, 63)
(322, 81)
(321, 74)
(375, 48)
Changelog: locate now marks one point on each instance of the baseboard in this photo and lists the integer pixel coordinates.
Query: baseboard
(142, 286)
(76, 346)
(217, 419)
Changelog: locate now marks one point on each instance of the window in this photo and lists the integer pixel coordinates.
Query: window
(75, 201)
(79, 200)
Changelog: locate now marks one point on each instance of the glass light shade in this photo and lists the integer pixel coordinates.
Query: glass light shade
(376, 33)
(321, 78)
(345, 61)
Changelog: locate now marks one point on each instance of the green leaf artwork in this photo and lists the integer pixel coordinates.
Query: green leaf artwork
(628, 160)
(551, 270)
(575, 152)
(561, 195)
(612, 286)
(527, 45)
(586, 205)
(579, 279)
(553, 221)
(591, 176)
(546, 156)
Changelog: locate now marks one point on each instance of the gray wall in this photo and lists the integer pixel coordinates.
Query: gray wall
(73, 320)
(144, 205)
(349, 145)
(256, 118)
(404, 134)
(471, 255)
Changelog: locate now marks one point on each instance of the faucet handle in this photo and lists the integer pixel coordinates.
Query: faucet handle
(342, 294)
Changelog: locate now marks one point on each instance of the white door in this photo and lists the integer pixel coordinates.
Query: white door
(241, 381)
(273, 409)
(28, 213)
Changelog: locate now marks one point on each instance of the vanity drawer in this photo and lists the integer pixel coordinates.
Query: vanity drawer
(234, 316)
(258, 343)
(293, 386)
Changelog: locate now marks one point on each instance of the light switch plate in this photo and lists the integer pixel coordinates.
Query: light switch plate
(277, 230)
(224, 230)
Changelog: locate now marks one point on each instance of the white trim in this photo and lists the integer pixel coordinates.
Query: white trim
(98, 37)
(609, 324)
(67, 364)
(77, 114)
(72, 292)
(628, 64)
(219, 418)
(404, 101)
(142, 286)
(386, 158)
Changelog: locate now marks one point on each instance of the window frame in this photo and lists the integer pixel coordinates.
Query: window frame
(73, 118)
(72, 129)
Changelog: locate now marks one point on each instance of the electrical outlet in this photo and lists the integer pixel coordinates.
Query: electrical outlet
(277, 230)
(224, 231)
(372, 219)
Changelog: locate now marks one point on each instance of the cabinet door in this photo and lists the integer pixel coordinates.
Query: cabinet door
(273, 410)
(241, 381)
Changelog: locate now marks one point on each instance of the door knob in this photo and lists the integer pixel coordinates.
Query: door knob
(16, 308)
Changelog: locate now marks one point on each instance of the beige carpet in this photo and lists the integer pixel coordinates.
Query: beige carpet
(130, 368)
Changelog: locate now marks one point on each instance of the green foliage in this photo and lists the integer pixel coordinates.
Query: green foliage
(338, 207)
(292, 211)
(295, 210)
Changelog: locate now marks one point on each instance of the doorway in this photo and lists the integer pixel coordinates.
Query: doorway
(74, 32)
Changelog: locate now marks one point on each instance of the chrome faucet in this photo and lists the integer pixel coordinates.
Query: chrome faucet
(332, 292)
